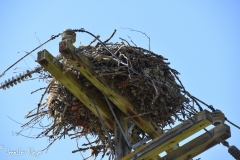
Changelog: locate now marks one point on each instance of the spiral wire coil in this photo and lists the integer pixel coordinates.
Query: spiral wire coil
(18, 78)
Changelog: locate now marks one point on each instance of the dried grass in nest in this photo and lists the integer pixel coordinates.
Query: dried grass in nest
(138, 74)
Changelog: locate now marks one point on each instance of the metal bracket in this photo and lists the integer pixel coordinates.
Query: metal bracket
(140, 143)
(192, 120)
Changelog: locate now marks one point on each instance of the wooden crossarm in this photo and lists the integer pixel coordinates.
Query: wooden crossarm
(74, 85)
(172, 137)
(201, 143)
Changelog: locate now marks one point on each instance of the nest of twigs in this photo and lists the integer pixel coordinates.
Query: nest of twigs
(142, 76)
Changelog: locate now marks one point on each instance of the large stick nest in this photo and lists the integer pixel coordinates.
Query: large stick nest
(142, 76)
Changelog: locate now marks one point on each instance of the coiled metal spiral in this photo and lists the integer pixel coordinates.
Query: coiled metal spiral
(18, 78)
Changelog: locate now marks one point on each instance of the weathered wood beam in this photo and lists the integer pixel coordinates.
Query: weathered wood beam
(201, 143)
(103, 84)
(74, 85)
(156, 158)
(172, 137)
(121, 147)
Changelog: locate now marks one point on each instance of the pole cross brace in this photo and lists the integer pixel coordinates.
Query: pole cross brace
(200, 143)
(172, 137)
(74, 85)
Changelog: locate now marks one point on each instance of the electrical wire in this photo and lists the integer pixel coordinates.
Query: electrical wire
(120, 127)
(232, 123)
(28, 53)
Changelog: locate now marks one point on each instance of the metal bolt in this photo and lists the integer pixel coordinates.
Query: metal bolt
(69, 56)
(78, 64)
(54, 61)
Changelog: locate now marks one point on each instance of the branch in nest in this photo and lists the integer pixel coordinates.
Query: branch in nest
(110, 36)
(38, 90)
(107, 39)
(132, 41)
(94, 40)
(142, 33)
(125, 41)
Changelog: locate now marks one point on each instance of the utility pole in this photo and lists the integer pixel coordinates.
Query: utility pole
(113, 118)
(121, 145)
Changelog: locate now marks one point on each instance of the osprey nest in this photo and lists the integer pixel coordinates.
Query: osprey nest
(138, 74)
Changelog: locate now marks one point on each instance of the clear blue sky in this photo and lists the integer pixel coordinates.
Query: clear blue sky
(201, 39)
